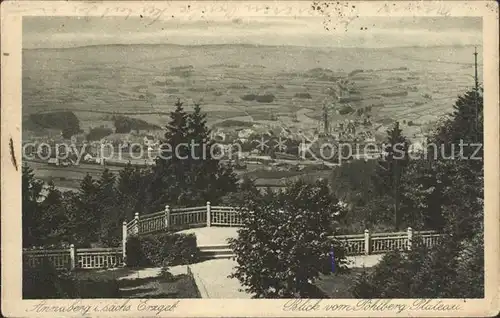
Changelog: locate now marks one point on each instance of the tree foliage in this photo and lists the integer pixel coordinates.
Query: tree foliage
(124, 124)
(451, 269)
(46, 218)
(284, 245)
(98, 133)
(65, 121)
(188, 171)
(31, 194)
(391, 169)
(96, 212)
(354, 183)
(447, 190)
(446, 193)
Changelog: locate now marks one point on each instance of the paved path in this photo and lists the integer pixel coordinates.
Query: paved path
(212, 279)
(154, 272)
(212, 276)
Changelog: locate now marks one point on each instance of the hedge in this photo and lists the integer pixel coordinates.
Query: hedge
(166, 249)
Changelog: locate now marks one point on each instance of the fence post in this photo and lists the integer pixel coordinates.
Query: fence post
(167, 216)
(136, 218)
(209, 220)
(72, 256)
(410, 237)
(124, 242)
(367, 242)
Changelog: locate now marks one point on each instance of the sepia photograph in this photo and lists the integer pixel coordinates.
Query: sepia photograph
(335, 155)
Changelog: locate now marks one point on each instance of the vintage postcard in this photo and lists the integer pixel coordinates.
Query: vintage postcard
(243, 158)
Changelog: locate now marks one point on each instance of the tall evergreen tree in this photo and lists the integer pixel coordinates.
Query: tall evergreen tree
(465, 124)
(31, 210)
(177, 130)
(197, 125)
(422, 196)
(166, 179)
(54, 221)
(391, 168)
(88, 216)
(110, 215)
(88, 186)
(191, 175)
(44, 216)
(131, 190)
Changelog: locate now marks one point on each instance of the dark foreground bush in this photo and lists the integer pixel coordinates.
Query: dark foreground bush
(450, 269)
(96, 288)
(45, 282)
(168, 249)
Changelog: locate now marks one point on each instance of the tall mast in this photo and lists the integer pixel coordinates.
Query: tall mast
(325, 118)
(476, 82)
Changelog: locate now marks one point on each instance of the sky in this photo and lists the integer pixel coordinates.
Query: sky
(55, 32)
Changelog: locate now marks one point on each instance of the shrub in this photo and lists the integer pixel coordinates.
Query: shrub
(44, 281)
(346, 110)
(237, 86)
(437, 272)
(265, 98)
(283, 246)
(234, 123)
(248, 97)
(166, 249)
(124, 124)
(96, 288)
(394, 94)
(201, 89)
(66, 121)
(166, 274)
(303, 95)
(98, 133)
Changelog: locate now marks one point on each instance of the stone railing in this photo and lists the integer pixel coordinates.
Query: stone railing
(72, 258)
(356, 244)
(379, 243)
(183, 217)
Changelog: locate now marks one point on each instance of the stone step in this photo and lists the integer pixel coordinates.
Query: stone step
(214, 247)
(216, 251)
(216, 256)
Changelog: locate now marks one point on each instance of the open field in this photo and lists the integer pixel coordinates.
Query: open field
(92, 82)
